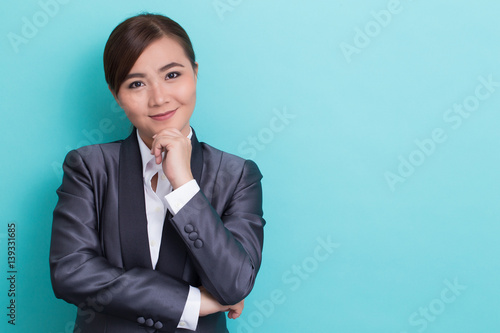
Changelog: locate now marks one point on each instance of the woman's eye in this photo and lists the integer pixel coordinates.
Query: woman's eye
(136, 84)
(172, 75)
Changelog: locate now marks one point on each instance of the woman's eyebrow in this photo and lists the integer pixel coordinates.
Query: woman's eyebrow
(134, 75)
(168, 66)
(162, 69)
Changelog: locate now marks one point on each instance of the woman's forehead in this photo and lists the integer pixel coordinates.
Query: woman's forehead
(160, 55)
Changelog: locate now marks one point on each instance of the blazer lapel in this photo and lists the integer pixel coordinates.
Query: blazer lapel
(173, 255)
(196, 158)
(131, 207)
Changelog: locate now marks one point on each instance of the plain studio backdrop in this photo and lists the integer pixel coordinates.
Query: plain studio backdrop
(374, 123)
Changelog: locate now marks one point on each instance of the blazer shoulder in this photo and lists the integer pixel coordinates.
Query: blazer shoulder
(95, 156)
(229, 162)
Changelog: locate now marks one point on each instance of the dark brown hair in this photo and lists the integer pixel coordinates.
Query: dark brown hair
(129, 39)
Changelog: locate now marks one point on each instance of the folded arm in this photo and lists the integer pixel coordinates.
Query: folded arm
(80, 273)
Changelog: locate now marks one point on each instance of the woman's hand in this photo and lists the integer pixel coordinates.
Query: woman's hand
(177, 161)
(210, 305)
(236, 310)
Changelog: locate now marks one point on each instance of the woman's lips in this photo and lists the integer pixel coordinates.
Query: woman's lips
(163, 116)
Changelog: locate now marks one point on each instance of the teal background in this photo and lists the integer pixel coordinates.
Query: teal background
(352, 118)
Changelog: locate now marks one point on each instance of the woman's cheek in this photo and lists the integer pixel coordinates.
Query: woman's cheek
(186, 90)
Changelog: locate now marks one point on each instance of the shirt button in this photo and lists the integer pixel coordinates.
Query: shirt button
(152, 243)
(163, 177)
(182, 324)
(158, 209)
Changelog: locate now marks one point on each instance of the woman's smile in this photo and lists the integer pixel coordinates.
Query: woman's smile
(163, 116)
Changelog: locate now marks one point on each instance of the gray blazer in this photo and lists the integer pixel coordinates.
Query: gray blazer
(99, 253)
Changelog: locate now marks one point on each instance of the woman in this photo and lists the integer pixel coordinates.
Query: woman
(158, 232)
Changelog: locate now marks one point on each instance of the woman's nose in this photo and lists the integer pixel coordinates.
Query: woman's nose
(158, 94)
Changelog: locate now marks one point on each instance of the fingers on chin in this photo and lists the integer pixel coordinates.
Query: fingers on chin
(169, 131)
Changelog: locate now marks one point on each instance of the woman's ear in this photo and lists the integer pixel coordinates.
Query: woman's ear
(195, 68)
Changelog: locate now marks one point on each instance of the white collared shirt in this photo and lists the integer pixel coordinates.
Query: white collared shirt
(157, 204)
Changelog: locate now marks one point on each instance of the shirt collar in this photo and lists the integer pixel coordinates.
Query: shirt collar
(148, 162)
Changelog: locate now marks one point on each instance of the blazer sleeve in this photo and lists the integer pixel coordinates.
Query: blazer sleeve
(81, 275)
(226, 247)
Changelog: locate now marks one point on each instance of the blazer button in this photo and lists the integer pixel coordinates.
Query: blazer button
(158, 325)
(198, 243)
(149, 322)
(193, 236)
(141, 320)
(188, 228)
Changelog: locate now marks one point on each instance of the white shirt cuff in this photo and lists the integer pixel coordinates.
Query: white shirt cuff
(181, 196)
(191, 313)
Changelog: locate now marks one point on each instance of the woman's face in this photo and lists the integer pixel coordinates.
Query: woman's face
(160, 90)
